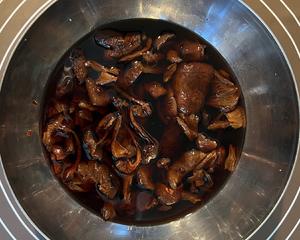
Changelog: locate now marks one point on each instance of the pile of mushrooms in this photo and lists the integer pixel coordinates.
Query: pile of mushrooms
(94, 128)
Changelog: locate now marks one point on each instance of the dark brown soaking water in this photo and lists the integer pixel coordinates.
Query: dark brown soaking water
(92, 200)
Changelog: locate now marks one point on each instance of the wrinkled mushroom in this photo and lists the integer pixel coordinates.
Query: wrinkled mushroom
(185, 164)
(237, 118)
(107, 182)
(95, 151)
(224, 94)
(205, 144)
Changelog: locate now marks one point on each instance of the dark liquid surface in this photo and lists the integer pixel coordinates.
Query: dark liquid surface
(153, 28)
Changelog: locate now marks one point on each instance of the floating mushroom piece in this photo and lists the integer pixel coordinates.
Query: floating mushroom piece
(130, 75)
(173, 56)
(192, 51)
(166, 195)
(65, 83)
(162, 39)
(168, 74)
(100, 68)
(122, 145)
(171, 140)
(145, 201)
(152, 58)
(144, 178)
(155, 89)
(127, 182)
(205, 144)
(231, 160)
(237, 118)
(106, 78)
(190, 85)
(191, 197)
(94, 149)
(224, 94)
(108, 211)
(167, 107)
(117, 44)
(138, 53)
(107, 182)
(78, 64)
(150, 148)
(185, 164)
(163, 163)
(98, 96)
(192, 135)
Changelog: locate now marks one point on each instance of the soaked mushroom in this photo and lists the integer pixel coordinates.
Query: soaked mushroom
(152, 58)
(231, 160)
(102, 136)
(237, 118)
(163, 163)
(94, 149)
(155, 89)
(65, 83)
(144, 178)
(173, 56)
(138, 53)
(79, 68)
(191, 197)
(192, 51)
(131, 74)
(98, 96)
(145, 201)
(167, 107)
(127, 182)
(107, 182)
(191, 82)
(117, 44)
(168, 74)
(107, 211)
(162, 39)
(224, 94)
(205, 144)
(185, 164)
(166, 195)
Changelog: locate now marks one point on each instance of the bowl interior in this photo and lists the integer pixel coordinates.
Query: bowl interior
(264, 76)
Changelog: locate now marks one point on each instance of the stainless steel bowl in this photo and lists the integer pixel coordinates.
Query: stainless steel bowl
(272, 114)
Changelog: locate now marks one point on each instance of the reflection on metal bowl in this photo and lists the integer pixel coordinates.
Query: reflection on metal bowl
(270, 98)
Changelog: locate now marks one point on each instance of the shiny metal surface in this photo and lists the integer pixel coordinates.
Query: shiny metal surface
(272, 111)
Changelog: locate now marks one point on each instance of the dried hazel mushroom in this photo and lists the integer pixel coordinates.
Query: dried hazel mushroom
(141, 126)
